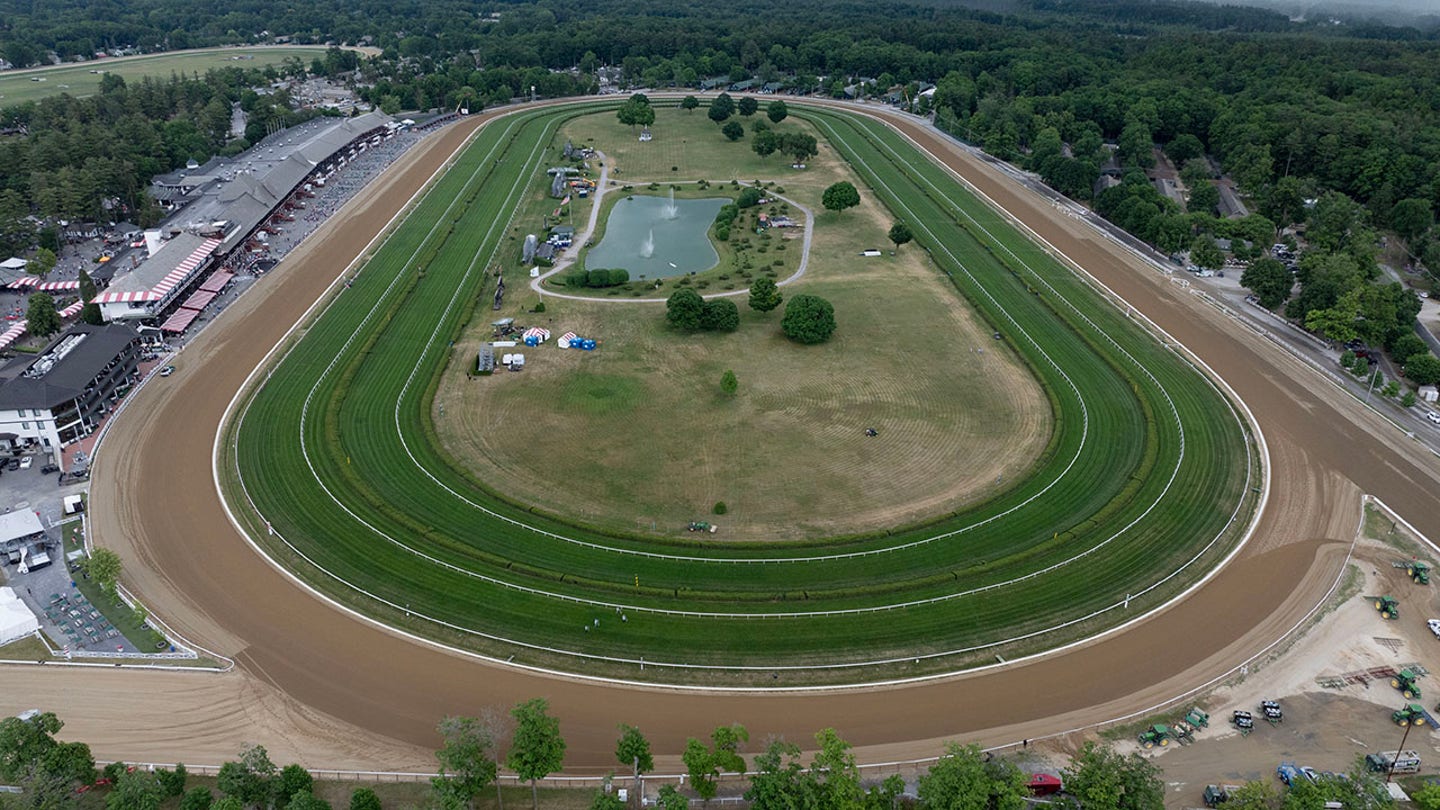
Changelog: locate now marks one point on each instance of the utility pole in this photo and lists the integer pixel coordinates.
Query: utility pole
(1390, 771)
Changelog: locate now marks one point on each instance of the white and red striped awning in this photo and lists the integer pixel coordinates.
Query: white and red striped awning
(183, 270)
(24, 281)
(59, 285)
(12, 334)
(217, 281)
(127, 297)
(198, 300)
(181, 319)
(72, 310)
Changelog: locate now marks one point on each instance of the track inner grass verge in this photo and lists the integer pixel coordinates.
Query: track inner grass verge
(1150, 482)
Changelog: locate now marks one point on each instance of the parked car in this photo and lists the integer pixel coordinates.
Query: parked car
(1434, 625)
(26, 462)
(50, 468)
(12, 464)
(1433, 416)
(167, 371)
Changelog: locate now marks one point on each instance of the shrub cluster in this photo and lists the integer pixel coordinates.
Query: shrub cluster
(597, 278)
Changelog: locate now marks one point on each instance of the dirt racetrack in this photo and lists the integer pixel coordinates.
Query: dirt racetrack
(319, 687)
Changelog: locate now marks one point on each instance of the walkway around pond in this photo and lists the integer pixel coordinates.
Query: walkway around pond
(582, 239)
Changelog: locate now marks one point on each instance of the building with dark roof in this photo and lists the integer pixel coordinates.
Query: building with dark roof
(61, 396)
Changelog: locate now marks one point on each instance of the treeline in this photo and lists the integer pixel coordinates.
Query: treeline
(528, 742)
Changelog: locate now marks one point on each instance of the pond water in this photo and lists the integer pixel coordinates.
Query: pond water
(658, 237)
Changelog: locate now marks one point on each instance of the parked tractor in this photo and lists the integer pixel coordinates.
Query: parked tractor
(702, 526)
(1155, 735)
(1219, 794)
(1405, 681)
(1244, 722)
(1271, 710)
(1419, 572)
(1388, 607)
(1412, 714)
(1198, 718)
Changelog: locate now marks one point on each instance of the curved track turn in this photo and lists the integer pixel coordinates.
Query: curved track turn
(154, 501)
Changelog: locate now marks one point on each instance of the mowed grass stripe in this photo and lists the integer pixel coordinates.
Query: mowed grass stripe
(367, 462)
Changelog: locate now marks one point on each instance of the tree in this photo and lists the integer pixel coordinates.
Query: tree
(172, 782)
(838, 780)
(706, 763)
(41, 318)
(197, 798)
(606, 801)
(537, 749)
(497, 723)
(1423, 369)
(1270, 280)
(1337, 322)
(1203, 198)
(1406, 346)
(764, 295)
(900, 234)
(747, 106)
(103, 565)
(467, 764)
(808, 319)
(776, 111)
(720, 315)
(292, 780)
(672, 799)
(729, 385)
(1184, 147)
(1412, 217)
(840, 196)
(765, 143)
(227, 803)
(963, 780)
(1252, 796)
(87, 287)
(46, 770)
(135, 790)
(248, 780)
(306, 800)
(683, 309)
(633, 749)
(364, 799)
(1098, 777)
(733, 130)
(799, 146)
(41, 263)
(1205, 255)
(689, 103)
(780, 781)
(721, 107)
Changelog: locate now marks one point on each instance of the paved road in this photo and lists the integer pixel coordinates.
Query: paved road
(155, 502)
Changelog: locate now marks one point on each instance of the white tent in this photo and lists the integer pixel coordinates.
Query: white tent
(16, 620)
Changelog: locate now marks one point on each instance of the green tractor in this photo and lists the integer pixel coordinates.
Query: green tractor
(1419, 572)
(1387, 605)
(1198, 718)
(1412, 714)
(1406, 681)
(1155, 735)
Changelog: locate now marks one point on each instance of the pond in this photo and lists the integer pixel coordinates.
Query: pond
(658, 237)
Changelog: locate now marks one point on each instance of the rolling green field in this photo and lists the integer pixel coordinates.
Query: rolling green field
(83, 79)
(1147, 482)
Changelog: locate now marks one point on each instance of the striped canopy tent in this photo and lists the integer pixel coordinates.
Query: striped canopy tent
(58, 285)
(539, 333)
(217, 281)
(12, 334)
(198, 300)
(183, 270)
(564, 341)
(24, 281)
(137, 296)
(180, 320)
(72, 310)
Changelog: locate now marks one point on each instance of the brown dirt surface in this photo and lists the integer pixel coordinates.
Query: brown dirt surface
(154, 501)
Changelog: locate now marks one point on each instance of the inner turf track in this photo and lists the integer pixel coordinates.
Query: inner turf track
(1148, 480)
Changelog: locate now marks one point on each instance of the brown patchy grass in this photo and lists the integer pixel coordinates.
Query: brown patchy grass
(637, 436)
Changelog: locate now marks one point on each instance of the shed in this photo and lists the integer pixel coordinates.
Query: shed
(1429, 393)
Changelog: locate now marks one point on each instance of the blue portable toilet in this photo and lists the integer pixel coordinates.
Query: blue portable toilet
(531, 340)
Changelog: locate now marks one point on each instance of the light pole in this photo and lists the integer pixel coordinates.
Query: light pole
(1390, 769)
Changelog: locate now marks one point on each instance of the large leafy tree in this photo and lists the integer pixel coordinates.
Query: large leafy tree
(1098, 777)
(721, 108)
(705, 763)
(840, 196)
(962, 779)
(1270, 280)
(1423, 369)
(633, 750)
(764, 295)
(248, 780)
(808, 319)
(900, 234)
(719, 315)
(104, 566)
(46, 770)
(765, 142)
(467, 763)
(41, 263)
(537, 749)
(733, 130)
(799, 146)
(776, 111)
(41, 318)
(683, 309)
(1206, 255)
(747, 106)
(135, 790)
(689, 103)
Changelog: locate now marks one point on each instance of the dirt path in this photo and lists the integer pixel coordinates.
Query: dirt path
(336, 681)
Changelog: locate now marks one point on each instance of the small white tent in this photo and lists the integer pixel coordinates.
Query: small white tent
(16, 620)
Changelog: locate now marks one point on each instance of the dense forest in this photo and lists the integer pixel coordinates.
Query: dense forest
(1335, 128)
